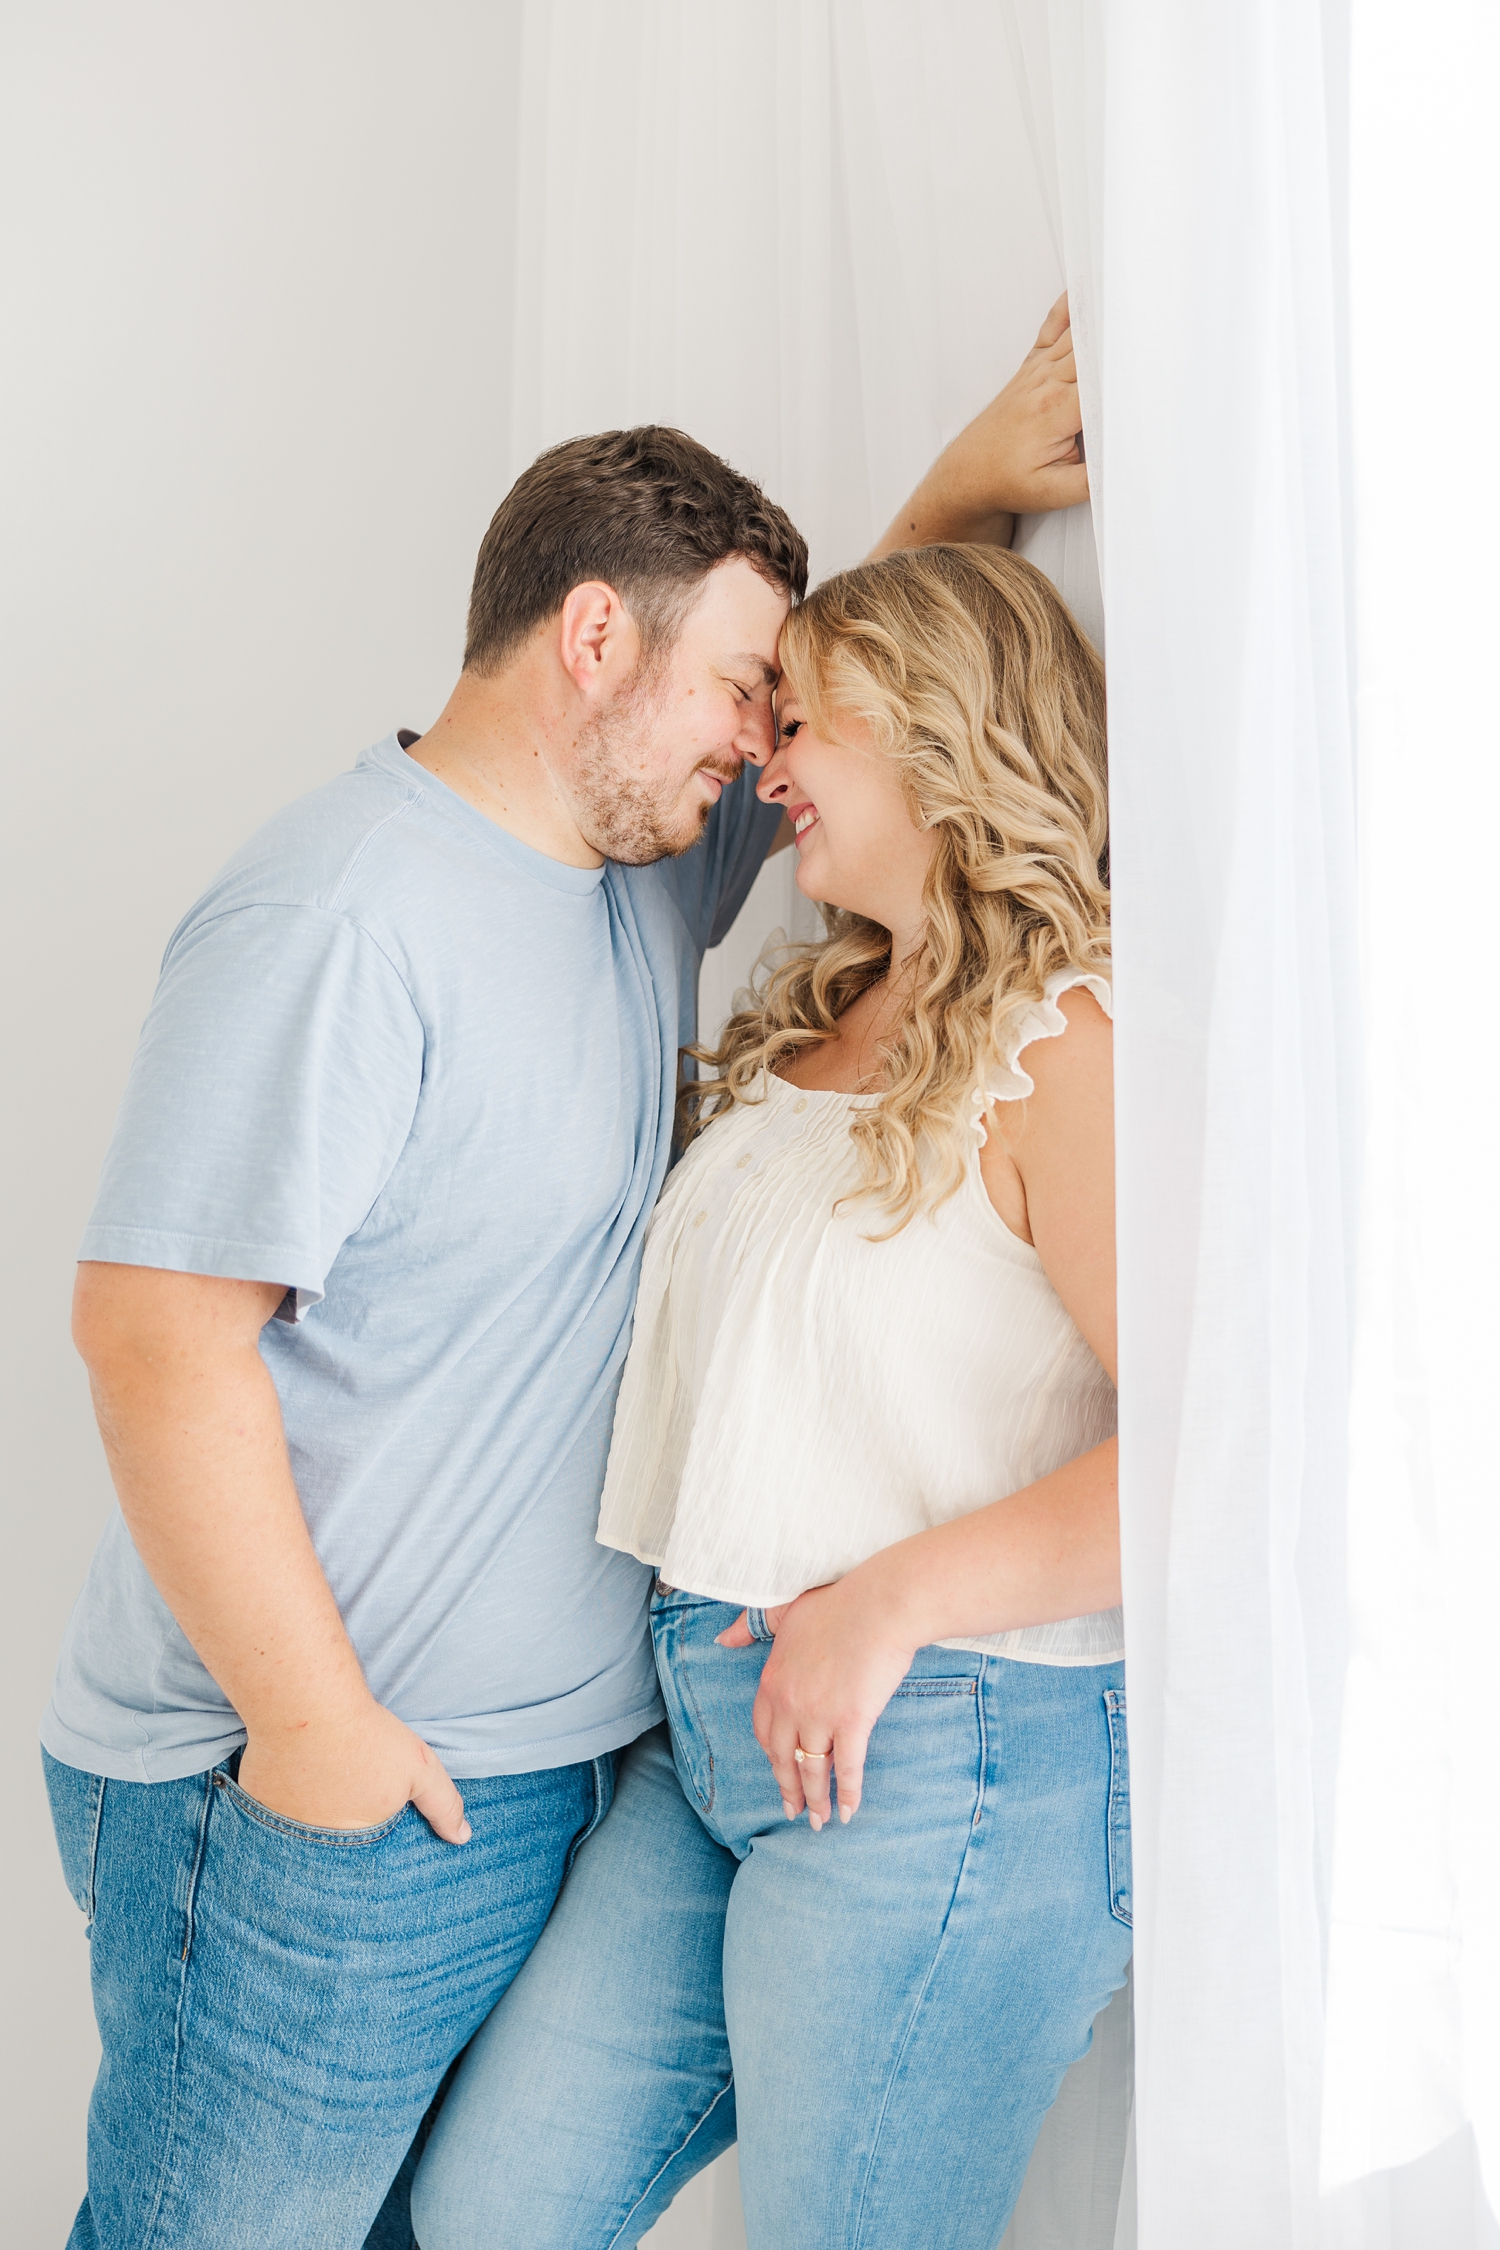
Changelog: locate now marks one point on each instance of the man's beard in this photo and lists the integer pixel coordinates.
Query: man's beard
(623, 808)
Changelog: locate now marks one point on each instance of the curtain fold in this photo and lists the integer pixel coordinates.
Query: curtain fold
(1238, 997)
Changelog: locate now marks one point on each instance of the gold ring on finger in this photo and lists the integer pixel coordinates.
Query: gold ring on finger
(802, 1755)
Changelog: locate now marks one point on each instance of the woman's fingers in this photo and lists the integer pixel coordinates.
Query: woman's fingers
(1054, 324)
(804, 1777)
(849, 1749)
(777, 1736)
(1062, 487)
(739, 1634)
(817, 1782)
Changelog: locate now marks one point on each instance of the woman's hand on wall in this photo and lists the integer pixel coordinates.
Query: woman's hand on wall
(1021, 456)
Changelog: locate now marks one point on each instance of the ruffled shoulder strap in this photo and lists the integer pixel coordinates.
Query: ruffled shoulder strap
(1004, 1079)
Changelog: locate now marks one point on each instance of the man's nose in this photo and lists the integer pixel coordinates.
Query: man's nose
(756, 739)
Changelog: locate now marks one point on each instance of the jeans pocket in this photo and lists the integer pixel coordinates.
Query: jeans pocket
(77, 1801)
(1118, 1829)
(343, 1839)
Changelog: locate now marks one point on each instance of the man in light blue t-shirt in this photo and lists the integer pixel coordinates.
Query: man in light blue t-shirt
(354, 1300)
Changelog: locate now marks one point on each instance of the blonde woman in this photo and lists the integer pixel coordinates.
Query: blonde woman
(861, 1910)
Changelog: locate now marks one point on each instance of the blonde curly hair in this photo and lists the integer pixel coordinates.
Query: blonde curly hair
(971, 674)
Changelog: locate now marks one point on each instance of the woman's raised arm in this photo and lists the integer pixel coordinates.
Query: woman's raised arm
(1019, 457)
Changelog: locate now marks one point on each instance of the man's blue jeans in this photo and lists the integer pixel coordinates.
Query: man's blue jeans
(882, 2014)
(279, 2004)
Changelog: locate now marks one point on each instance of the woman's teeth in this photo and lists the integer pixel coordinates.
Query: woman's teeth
(806, 817)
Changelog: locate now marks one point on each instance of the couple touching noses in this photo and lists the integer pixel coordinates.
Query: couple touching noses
(413, 1606)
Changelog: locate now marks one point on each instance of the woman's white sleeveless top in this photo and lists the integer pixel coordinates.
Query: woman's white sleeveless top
(798, 1396)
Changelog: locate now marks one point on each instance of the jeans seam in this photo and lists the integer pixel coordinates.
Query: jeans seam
(91, 1888)
(857, 2236)
(1117, 1830)
(594, 1818)
(685, 1688)
(149, 2236)
(667, 2162)
(339, 1839)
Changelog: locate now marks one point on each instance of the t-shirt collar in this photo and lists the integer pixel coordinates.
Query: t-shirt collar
(391, 758)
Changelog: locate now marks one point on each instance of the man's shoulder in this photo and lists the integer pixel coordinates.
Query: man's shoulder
(358, 842)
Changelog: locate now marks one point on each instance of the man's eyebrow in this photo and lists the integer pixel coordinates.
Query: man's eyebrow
(768, 672)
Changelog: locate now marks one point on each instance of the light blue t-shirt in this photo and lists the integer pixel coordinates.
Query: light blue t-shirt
(423, 1076)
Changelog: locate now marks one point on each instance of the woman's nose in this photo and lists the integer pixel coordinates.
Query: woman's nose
(775, 782)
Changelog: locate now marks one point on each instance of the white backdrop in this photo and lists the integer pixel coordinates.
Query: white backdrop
(254, 399)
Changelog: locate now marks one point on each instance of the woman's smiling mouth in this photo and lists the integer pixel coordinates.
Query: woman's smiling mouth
(804, 818)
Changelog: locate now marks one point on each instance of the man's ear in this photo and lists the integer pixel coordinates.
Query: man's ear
(597, 638)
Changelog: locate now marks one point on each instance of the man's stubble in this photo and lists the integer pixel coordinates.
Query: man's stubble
(625, 806)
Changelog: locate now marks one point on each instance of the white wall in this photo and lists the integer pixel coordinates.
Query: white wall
(256, 411)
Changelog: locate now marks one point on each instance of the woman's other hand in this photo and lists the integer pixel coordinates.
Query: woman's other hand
(1019, 457)
(739, 1634)
(835, 1662)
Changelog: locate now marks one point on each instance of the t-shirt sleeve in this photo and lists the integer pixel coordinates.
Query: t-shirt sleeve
(271, 1094)
(713, 880)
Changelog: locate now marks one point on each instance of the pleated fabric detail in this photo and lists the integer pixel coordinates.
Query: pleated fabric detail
(799, 1396)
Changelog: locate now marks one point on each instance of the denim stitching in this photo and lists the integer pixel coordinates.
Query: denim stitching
(619, 2232)
(91, 1887)
(601, 1806)
(1117, 1819)
(685, 1690)
(182, 1976)
(344, 1839)
(858, 2235)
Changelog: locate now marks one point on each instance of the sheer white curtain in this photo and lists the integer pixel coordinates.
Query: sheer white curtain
(1412, 2111)
(1282, 208)
(818, 233)
(1224, 570)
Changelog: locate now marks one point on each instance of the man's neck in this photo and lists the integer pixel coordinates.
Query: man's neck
(491, 746)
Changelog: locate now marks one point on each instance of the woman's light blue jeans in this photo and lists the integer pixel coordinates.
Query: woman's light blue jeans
(882, 2014)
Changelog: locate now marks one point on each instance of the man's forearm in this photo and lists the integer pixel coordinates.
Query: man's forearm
(192, 1427)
